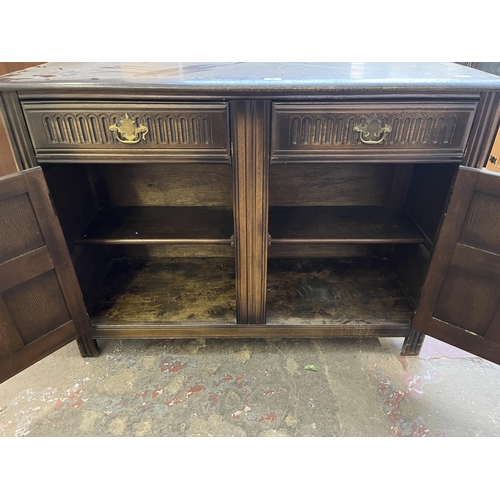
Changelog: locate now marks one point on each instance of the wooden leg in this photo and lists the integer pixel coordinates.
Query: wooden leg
(412, 344)
(88, 346)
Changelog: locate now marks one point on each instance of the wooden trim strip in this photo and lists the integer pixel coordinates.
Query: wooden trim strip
(23, 268)
(12, 185)
(19, 138)
(249, 331)
(10, 340)
(152, 241)
(477, 261)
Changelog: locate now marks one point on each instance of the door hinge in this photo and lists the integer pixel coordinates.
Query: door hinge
(232, 240)
(268, 240)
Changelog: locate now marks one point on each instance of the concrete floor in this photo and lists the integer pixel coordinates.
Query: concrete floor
(254, 388)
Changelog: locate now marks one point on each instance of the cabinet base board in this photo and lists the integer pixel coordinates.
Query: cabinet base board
(248, 331)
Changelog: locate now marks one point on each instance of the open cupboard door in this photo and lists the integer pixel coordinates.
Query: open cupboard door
(41, 307)
(460, 299)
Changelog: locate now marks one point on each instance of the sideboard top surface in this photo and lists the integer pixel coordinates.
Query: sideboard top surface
(251, 78)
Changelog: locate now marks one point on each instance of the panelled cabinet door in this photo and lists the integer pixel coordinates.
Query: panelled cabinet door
(41, 307)
(460, 300)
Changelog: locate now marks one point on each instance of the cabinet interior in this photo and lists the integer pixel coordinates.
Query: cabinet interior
(350, 243)
(150, 243)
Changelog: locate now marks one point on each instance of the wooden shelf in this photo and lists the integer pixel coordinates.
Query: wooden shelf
(371, 224)
(164, 225)
(362, 292)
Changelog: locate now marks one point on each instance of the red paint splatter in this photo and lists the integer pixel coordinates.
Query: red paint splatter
(185, 395)
(156, 393)
(403, 361)
(174, 368)
(193, 390)
(394, 400)
(58, 405)
(77, 403)
(214, 397)
(268, 418)
(268, 392)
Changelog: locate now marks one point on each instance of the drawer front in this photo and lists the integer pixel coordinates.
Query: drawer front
(104, 131)
(389, 131)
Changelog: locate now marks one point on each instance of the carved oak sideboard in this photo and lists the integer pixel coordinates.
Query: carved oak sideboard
(248, 200)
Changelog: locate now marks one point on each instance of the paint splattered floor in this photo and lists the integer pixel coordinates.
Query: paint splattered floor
(254, 388)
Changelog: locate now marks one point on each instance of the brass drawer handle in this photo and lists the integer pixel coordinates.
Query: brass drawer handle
(373, 130)
(129, 131)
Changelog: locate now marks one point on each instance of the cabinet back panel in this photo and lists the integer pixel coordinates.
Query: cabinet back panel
(410, 262)
(327, 185)
(168, 185)
(90, 262)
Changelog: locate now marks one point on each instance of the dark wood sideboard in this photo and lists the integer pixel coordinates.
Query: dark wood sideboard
(248, 200)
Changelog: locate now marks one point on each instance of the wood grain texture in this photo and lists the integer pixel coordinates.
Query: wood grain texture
(148, 331)
(54, 239)
(334, 184)
(456, 212)
(10, 340)
(169, 185)
(484, 128)
(480, 229)
(461, 296)
(24, 268)
(19, 228)
(467, 300)
(174, 250)
(357, 291)
(303, 131)
(80, 130)
(166, 291)
(37, 350)
(37, 306)
(250, 121)
(326, 250)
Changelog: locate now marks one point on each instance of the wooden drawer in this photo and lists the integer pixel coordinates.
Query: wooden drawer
(97, 131)
(392, 131)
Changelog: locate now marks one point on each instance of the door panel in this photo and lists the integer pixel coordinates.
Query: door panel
(460, 300)
(41, 307)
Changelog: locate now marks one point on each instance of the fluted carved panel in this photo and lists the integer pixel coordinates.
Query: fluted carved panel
(163, 129)
(317, 129)
(336, 130)
(67, 128)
